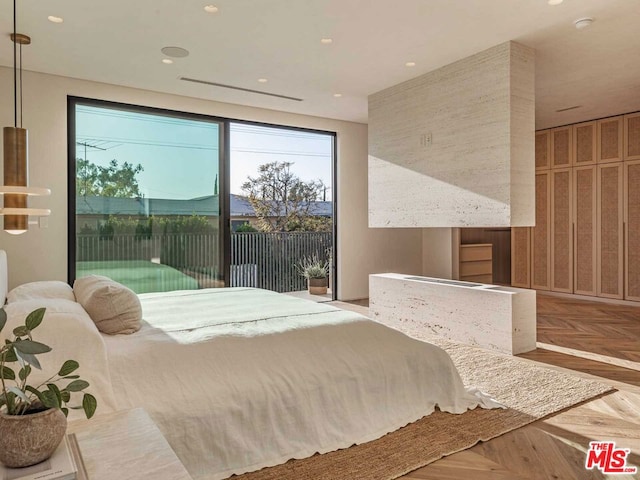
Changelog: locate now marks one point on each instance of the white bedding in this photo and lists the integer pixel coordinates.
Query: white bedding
(72, 335)
(239, 379)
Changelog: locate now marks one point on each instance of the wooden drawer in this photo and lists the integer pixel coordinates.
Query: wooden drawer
(476, 262)
(475, 252)
(483, 267)
(478, 278)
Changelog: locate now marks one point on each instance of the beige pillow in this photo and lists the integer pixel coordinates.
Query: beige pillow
(113, 307)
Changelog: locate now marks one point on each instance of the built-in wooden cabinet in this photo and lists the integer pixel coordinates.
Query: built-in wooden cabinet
(584, 229)
(561, 147)
(587, 235)
(521, 257)
(540, 234)
(476, 263)
(543, 150)
(632, 137)
(584, 144)
(610, 139)
(610, 255)
(561, 231)
(632, 229)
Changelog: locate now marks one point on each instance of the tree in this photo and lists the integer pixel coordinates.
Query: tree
(114, 180)
(282, 201)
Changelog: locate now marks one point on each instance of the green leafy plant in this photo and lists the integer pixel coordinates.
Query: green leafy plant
(20, 398)
(246, 228)
(313, 267)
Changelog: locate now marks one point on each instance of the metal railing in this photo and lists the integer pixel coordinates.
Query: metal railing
(268, 260)
(258, 259)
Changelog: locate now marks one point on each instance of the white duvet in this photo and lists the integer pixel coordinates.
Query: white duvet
(72, 335)
(239, 379)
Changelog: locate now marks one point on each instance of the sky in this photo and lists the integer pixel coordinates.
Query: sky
(180, 157)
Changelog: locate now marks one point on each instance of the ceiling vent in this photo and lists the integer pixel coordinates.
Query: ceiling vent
(568, 108)
(232, 87)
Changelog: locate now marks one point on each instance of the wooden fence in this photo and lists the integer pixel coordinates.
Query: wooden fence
(263, 260)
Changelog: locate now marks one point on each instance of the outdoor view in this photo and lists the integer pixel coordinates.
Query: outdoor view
(148, 213)
(281, 205)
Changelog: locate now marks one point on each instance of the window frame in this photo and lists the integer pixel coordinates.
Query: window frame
(224, 174)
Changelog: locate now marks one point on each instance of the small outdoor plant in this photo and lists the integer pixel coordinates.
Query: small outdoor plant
(19, 397)
(313, 267)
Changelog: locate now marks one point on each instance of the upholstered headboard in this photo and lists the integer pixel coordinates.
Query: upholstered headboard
(4, 277)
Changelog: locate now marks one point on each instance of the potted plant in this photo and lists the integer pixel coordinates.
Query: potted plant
(316, 272)
(33, 417)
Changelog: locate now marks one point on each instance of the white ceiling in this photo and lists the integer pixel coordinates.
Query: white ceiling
(119, 42)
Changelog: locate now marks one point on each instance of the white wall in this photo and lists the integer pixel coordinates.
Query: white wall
(438, 253)
(41, 253)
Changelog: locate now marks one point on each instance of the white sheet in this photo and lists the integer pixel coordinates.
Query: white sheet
(239, 379)
(72, 335)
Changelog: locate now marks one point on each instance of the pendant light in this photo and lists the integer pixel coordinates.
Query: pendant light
(16, 188)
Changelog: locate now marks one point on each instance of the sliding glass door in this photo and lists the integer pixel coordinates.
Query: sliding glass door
(148, 195)
(281, 207)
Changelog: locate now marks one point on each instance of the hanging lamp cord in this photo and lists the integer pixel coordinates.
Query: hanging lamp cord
(20, 85)
(15, 68)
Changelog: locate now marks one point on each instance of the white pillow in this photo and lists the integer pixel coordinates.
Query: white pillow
(38, 290)
(113, 307)
(71, 334)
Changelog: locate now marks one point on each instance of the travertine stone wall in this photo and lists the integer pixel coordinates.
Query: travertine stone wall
(455, 147)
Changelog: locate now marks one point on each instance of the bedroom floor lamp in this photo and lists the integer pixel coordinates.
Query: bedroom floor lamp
(16, 188)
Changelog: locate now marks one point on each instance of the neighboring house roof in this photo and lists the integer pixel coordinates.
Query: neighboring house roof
(206, 206)
(322, 209)
(241, 207)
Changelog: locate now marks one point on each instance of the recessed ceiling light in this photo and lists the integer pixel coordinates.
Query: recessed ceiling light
(410, 64)
(583, 23)
(168, 61)
(326, 41)
(263, 80)
(211, 9)
(337, 95)
(55, 19)
(555, 2)
(175, 52)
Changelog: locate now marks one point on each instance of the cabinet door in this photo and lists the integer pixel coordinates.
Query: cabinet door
(561, 147)
(584, 230)
(561, 231)
(584, 144)
(521, 257)
(632, 137)
(632, 229)
(540, 235)
(543, 150)
(610, 223)
(610, 140)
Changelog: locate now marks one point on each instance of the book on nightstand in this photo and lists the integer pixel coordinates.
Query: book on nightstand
(65, 464)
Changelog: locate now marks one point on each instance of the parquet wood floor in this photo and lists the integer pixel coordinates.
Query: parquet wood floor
(596, 340)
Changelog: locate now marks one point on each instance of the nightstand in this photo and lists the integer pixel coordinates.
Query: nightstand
(126, 445)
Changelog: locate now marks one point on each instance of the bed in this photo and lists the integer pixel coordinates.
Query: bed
(239, 378)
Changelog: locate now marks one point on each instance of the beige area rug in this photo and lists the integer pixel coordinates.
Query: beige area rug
(530, 391)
